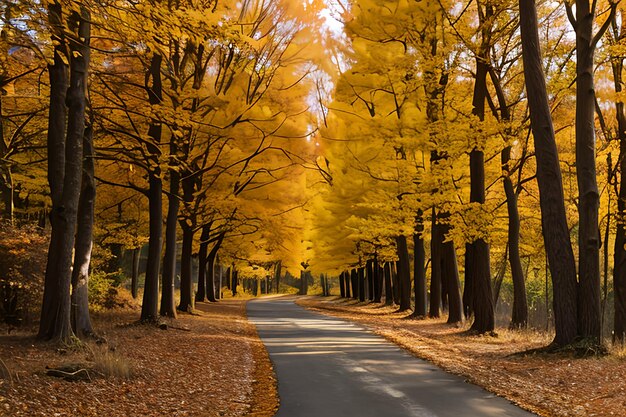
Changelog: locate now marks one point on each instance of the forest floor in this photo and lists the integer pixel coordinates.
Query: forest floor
(211, 363)
(550, 385)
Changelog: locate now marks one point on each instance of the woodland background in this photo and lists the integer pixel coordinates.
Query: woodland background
(421, 150)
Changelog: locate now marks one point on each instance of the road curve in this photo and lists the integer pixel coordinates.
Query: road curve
(329, 367)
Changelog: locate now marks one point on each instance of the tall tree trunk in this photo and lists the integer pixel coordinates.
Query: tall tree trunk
(419, 272)
(277, 272)
(168, 303)
(436, 275)
(589, 315)
(57, 326)
(201, 293)
(81, 321)
(404, 273)
(551, 198)
(186, 278)
(354, 278)
(342, 287)
(135, 272)
(468, 287)
(347, 283)
(619, 255)
(150, 302)
(361, 281)
(451, 271)
(369, 276)
(519, 317)
(57, 119)
(376, 280)
(395, 282)
(235, 280)
(480, 271)
(210, 268)
(388, 286)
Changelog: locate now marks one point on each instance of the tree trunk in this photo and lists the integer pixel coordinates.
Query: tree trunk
(57, 325)
(81, 322)
(419, 273)
(361, 282)
(201, 293)
(135, 272)
(186, 278)
(388, 286)
(480, 271)
(404, 274)
(149, 306)
(235, 280)
(589, 312)
(376, 279)
(342, 288)
(395, 282)
(519, 317)
(619, 256)
(277, 272)
(57, 117)
(435, 268)
(551, 198)
(168, 303)
(210, 268)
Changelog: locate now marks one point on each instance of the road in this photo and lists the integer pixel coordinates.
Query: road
(329, 367)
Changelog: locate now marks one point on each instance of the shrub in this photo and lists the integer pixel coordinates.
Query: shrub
(23, 258)
(104, 293)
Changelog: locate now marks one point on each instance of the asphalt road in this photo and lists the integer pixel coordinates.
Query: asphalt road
(329, 367)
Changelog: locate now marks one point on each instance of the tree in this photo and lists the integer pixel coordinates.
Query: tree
(65, 161)
(589, 318)
(551, 196)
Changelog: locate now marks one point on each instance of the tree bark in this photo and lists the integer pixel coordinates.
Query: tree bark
(56, 312)
(589, 311)
(519, 317)
(168, 304)
(435, 268)
(57, 118)
(150, 302)
(135, 272)
(377, 278)
(354, 279)
(619, 256)
(342, 288)
(277, 272)
(186, 279)
(480, 271)
(361, 282)
(235, 280)
(419, 273)
(201, 293)
(551, 197)
(210, 268)
(388, 286)
(395, 282)
(404, 274)
(81, 321)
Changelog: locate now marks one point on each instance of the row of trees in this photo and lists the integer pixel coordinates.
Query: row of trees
(432, 119)
(186, 119)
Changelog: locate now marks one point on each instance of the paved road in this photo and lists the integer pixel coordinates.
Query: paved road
(328, 367)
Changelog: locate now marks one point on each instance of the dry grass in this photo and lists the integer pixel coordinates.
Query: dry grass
(548, 385)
